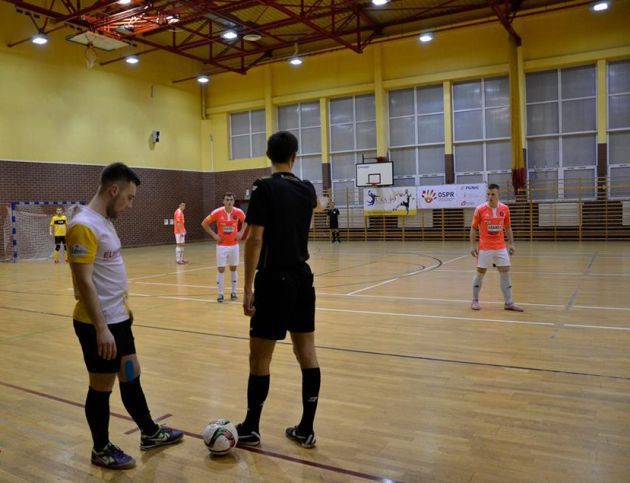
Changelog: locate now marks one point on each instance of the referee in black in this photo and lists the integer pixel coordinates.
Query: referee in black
(333, 219)
(283, 298)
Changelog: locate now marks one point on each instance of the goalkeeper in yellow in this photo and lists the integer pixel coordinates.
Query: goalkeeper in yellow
(58, 224)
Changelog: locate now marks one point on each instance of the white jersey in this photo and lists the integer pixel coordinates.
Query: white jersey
(92, 239)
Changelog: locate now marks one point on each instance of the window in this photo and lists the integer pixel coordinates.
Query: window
(619, 128)
(352, 136)
(303, 120)
(562, 133)
(416, 135)
(481, 133)
(248, 138)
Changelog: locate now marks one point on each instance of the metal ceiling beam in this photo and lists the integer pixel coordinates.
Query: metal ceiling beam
(309, 23)
(507, 24)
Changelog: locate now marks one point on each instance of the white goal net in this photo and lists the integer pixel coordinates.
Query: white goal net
(26, 229)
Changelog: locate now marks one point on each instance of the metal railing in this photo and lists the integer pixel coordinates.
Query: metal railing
(573, 210)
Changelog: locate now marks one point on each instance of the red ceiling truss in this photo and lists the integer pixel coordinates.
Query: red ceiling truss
(193, 28)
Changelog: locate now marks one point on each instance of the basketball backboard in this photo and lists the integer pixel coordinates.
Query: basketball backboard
(370, 174)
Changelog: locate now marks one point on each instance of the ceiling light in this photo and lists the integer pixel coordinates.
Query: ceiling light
(124, 2)
(252, 37)
(295, 58)
(203, 79)
(229, 35)
(379, 3)
(40, 39)
(426, 37)
(172, 19)
(132, 59)
(600, 6)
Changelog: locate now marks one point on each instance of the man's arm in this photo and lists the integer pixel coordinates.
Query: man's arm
(50, 228)
(253, 247)
(510, 237)
(82, 274)
(210, 231)
(473, 242)
(239, 235)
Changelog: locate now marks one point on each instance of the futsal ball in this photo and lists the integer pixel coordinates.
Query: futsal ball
(220, 436)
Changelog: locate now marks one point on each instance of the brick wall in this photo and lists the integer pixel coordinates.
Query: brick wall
(158, 196)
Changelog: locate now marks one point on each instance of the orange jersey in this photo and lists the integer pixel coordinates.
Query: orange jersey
(227, 224)
(179, 222)
(491, 223)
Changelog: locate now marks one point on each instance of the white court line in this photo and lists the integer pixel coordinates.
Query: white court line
(170, 273)
(466, 301)
(397, 297)
(420, 316)
(426, 269)
(603, 327)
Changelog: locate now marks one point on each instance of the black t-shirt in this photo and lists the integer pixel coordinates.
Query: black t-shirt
(283, 204)
(334, 217)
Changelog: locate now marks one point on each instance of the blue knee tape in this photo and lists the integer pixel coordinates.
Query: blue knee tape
(129, 371)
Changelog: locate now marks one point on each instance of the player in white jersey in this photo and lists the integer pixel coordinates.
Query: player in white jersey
(102, 318)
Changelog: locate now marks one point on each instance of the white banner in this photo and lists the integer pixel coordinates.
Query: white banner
(389, 201)
(451, 196)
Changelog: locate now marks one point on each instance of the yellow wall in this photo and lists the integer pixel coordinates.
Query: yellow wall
(53, 109)
(550, 40)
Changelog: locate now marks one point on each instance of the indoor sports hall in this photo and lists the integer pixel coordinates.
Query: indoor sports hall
(407, 113)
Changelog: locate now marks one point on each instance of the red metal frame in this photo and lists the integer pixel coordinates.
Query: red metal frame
(199, 24)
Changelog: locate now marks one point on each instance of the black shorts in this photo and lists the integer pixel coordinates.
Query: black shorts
(334, 225)
(124, 346)
(60, 239)
(284, 300)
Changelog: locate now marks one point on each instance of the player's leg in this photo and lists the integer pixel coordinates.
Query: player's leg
(302, 329)
(304, 350)
(221, 262)
(132, 395)
(65, 248)
(233, 261)
(102, 375)
(260, 354)
(484, 260)
(57, 247)
(503, 265)
(178, 248)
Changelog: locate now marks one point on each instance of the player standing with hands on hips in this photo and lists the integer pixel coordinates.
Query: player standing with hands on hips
(492, 219)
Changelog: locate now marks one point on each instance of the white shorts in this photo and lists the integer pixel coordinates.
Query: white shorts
(227, 255)
(180, 238)
(487, 258)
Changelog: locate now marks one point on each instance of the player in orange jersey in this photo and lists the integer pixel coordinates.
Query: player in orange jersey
(227, 235)
(492, 219)
(180, 233)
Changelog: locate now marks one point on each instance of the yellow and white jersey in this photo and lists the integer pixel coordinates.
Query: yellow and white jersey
(59, 223)
(92, 239)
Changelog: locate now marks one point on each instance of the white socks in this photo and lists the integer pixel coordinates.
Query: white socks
(234, 280)
(477, 282)
(179, 253)
(220, 283)
(506, 287)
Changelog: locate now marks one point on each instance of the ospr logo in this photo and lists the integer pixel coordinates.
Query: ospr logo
(428, 195)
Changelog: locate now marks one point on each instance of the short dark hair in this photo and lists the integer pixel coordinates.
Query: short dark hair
(116, 172)
(281, 146)
(228, 194)
(494, 186)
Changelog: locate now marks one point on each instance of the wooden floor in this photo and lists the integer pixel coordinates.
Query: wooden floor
(416, 386)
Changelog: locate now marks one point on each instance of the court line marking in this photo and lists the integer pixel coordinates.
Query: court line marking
(145, 277)
(579, 284)
(410, 274)
(272, 454)
(602, 327)
(156, 420)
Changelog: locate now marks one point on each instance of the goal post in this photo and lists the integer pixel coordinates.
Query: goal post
(26, 228)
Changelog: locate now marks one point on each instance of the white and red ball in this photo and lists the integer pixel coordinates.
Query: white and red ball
(220, 436)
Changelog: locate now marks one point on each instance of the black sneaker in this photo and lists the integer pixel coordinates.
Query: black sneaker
(233, 296)
(112, 457)
(220, 299)
(163, 436)
(247, 438)
(306, 441)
